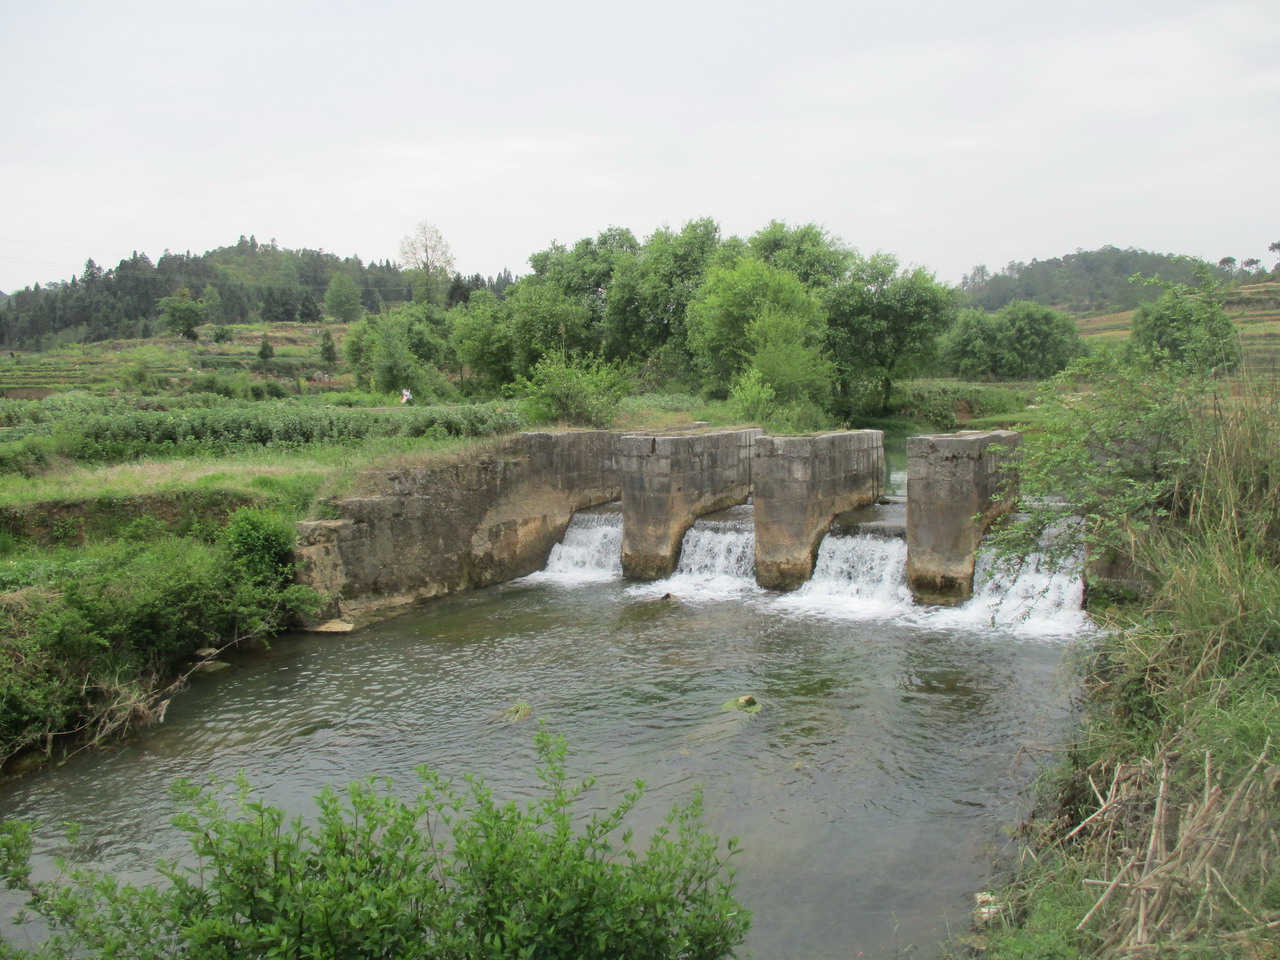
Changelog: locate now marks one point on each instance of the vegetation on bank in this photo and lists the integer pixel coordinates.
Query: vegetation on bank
(1156, 832)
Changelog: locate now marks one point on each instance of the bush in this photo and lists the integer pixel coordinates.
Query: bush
(442, 875)
(582, 391)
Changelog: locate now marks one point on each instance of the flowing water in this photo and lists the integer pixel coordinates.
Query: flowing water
(871, 793)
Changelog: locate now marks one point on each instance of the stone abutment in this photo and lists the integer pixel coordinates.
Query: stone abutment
(670, 481)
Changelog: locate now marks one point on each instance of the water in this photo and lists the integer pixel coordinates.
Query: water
(870, 794)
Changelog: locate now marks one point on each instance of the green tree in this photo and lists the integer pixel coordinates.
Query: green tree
(881, 323)
(787, 355)
(1188, 327)
(650, 291)
(342, 299)
(721, 320)
(808, 251)
(1021, 341)
(545, 320)
(181, 314)
(481, 336)
(265, 350)
(211, 303)
(308, 308)
(328, 350)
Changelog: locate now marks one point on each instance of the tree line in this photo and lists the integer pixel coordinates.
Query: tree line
(790, 323)
(232, 284)
(1090, 282)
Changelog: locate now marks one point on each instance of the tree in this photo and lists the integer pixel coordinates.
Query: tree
(881, 322)
(308, 308)
(1188, 328)
(544, 320)
(328, 350)
(212, 305)
(814, 256)
(265, 350)
(181, 314)
(721, 320)
(480, 333)
(650, 291)
(426, 251)
(1021, 341)
(342, 299)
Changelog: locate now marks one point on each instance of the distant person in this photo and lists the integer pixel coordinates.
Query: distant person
(406, 397)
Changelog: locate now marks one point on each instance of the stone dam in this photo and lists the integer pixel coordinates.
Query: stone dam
(493, 514)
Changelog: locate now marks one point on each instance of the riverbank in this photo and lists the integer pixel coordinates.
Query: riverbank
(1156, 832)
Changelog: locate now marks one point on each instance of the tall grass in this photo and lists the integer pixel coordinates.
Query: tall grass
(1159, 834)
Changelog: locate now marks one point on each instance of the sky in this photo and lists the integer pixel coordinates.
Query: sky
(950, 134)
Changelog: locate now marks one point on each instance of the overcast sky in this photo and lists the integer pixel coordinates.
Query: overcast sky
(950, 133)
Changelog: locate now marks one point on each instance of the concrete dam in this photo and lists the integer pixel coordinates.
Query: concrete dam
(493, 515)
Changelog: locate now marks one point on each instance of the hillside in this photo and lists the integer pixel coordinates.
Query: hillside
(1255, 309)
(173, 362)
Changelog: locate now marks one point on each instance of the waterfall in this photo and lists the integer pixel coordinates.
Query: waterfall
(857, 577)
(1035, 596)
(861, 576)
(591, 551)
(717, 561)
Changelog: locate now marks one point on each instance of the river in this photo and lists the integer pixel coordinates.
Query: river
(872, 794)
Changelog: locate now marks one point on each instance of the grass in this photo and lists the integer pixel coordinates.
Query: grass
(1156, 834)
(331, 468)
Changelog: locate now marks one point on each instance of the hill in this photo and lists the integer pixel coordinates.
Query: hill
(1081, 283)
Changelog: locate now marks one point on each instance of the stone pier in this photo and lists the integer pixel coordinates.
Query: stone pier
(670, 481)
(801, 485)
(955, 488)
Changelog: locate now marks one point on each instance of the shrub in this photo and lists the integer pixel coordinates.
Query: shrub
(446, 874)
(582, 391)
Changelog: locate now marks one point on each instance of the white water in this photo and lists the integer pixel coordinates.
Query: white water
(717, 562)
(591, 551)
(860, 577)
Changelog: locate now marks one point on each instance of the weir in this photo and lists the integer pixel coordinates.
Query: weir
(670, 481)
(456, 524)
(801, 485)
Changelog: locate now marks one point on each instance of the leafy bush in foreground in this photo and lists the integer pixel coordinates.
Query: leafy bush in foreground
(446, 874)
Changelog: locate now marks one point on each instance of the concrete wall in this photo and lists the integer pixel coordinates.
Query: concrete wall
(954, 486)
(667, 483)
(431, 530)
(801, 484)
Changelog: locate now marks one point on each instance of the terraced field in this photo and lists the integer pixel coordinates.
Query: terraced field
(102, 367)
(1255, 310)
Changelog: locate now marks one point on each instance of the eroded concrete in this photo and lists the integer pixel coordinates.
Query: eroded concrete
(670, 481)
(957, 484)
(443, 527)
(801, 485)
